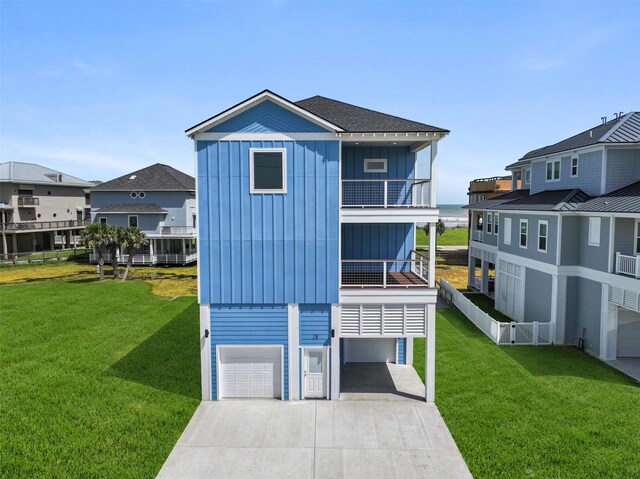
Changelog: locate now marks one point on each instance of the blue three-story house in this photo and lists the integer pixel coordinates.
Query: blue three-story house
(306, 261)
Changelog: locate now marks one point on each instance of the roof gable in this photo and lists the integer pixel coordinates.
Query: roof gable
(18, 172)
(156, 177)
(267, 117)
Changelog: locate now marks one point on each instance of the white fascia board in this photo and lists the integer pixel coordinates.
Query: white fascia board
(389, 296)
(353, 137)
(483, 246)
(253, 101)
(265, 136)
(389, 215)
(559, 154)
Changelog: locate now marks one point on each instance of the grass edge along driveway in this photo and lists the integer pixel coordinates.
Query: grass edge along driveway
(532, 412)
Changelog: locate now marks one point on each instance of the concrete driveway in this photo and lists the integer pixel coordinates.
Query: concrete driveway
(315, 439)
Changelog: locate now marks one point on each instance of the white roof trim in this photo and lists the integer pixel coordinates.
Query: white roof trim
(253, 101)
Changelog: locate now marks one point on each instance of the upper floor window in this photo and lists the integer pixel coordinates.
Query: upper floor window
(524, 233)
(496, 222)
(527, 175)
(103, 220)
(268, 170)
(489, 222)
(375, 165)
(506, 228)
(25, 192)
(594, 231)
(543, 234)
(638, 237)
(553, 170)
(574, 166)
(133, 221)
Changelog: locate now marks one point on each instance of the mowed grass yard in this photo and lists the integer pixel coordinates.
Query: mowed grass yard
(98, 379)
(451, 237)
(532, 412)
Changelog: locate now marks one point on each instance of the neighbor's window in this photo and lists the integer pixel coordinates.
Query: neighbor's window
(133, 221)
(103, 220)
(268, 170)
(506, 228)
(553, 170)
(543, 233)
(594, 231)
(489, 222)
(524, 233)
(527, 175)
(375, 165)
(638, 237)
(574, 166)
(496, 221)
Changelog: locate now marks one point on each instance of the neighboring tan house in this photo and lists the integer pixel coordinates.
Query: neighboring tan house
(486, 188)
(40, 208)
(159, 200)
(307, 258)
(566, 245)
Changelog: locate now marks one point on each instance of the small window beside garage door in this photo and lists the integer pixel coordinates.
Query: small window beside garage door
(249, 371)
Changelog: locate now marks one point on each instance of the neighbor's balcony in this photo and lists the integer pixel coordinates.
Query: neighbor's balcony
(476, 235)
(44, 225)
(28, 201)
(148, 259)
(178, 231)
(365, 273)
(628, 265)
(387, 200)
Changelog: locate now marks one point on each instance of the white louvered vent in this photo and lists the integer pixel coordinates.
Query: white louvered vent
(393, 319)
(415, 319)
(371, 320)
(350, 320)
(625, 298)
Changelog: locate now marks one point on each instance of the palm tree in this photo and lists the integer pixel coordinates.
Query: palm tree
(96, 236)
(132, 240)
(116, 239)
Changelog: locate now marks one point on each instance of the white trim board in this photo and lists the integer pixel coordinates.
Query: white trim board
(266, 137)
(389, 296)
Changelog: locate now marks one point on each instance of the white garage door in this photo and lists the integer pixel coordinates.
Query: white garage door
(250, 372)
(628, 334)
(370, 350)
(509, 297)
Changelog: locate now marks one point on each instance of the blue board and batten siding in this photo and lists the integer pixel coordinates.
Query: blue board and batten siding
(377, 241)
(402, 350)
(250, 324)
(400, 162)
(315, 324)
(268, 248)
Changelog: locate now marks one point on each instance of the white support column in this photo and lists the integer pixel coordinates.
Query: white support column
(433, 175)
(608, 326)
(151, 243)
(184, 247)
(485, 276)
(205, 351)
(471, 269)
(409, 351)
(334, 390)
(558, 307)
(432, 255)
(294, 351)
(430, 355)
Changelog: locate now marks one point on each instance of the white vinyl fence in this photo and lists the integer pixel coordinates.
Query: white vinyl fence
(515, 334)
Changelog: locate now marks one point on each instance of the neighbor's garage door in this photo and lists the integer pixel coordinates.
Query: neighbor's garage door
(628, 334)
(370, 350)
(250, 372)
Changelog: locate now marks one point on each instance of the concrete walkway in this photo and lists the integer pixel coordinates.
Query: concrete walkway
(628, 366)
(380, 382)
(315, 439)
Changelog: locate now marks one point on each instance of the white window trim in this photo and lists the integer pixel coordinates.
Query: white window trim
(496, 224)
(368, 170)
(504, 231)
(489, 227)
(571, 166)
(546, 237)
(133, 194)
(592, 221)
(526, 222)
(527, 176)
(635, 238)
(284, 170)
(553, 162)
(101, 218)
(129, 220)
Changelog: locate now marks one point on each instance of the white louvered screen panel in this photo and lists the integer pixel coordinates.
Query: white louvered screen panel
(617, 296)
(415, 319)
(350, 320)
(393, 319)
(371, 319)
(630, 300)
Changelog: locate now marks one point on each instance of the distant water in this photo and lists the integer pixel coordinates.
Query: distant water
(454, 215)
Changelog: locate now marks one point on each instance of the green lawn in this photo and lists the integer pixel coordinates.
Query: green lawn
(488, 305)
(98, 379)
(533, 412)
(450, 237)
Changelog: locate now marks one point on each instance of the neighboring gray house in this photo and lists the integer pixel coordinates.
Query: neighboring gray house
(565, 247)
(159, 200)
(40, 208)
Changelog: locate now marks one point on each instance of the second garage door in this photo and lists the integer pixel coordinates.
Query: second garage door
(250, 372)
(628, 334)
(370, 350)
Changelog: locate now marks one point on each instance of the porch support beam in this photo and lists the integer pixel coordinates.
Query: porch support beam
(205, 351)
(430, 355)
(294, 351)
(334, 390)
(433, 176)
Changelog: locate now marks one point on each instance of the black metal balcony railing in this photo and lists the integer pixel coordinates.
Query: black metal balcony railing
(28, 201)
(387, 193)
(409, 273)
(44, 225)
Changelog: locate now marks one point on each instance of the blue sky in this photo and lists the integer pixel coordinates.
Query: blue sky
(98, 89)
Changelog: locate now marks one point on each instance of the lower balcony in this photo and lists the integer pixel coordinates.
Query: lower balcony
(628, 265)
(148, 259)
(365, 273)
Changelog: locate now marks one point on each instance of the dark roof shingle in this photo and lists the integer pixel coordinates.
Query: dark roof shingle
(148, 208)
(156, 177)
(623, 200)
(549, 200)
(497, 200)
(355, 119)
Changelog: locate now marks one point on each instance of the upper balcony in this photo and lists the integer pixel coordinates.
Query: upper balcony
(44, 225)
(28, 201)
(628, 265)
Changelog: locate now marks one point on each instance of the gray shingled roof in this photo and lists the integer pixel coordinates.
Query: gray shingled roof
(623, 200)
(148, 208)
(355, 119)
(156, 177)
(624, 130)
(497, 200)
(549, 200)
(31, 173)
